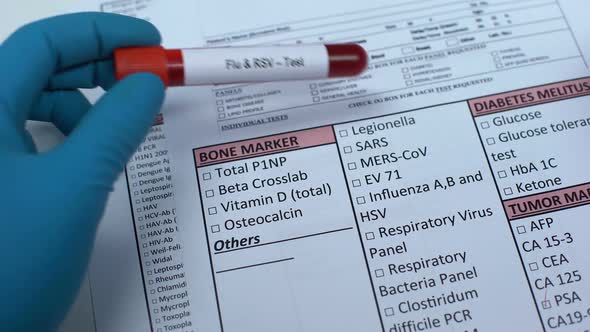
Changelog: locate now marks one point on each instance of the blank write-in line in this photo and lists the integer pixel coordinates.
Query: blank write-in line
(254, 265)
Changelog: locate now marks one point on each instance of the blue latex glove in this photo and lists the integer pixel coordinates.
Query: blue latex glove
(51, 202)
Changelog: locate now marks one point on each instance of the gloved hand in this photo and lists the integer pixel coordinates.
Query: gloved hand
(51, 202)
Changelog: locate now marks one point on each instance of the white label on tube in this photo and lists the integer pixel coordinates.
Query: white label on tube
(255, 64)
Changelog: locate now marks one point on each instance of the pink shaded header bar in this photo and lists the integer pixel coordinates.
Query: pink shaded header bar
(264, 145)
(530, 96)
(547, 202)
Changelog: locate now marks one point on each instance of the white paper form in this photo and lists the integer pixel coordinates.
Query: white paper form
(445, 189)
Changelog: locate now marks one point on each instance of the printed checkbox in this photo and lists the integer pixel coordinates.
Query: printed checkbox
(533, 266)
(485, 125)
(347, 149)
(221, 116)
(133, 176)
(407, 76)
(148, 263)
(135, 193)
(138, 210)
(409, 83)
(207, 176)
(351, 166)
(215, 229)
(220, 102)
(508, 191)
(379, 273)
(546, 304)
(370, 235)
(405, 70)
(315, 93)
(143, 236)
(151, 282)
(389, 312)
(150, 273)
(408, 50)
(360, 200)
(452, 42)
(158, 320)
(137, 201)
(153, 291)
(212, 211)
(141, 227)
(154, 301)
(499, 65)
(521, 229)
(156, 311)
(132, 168)
(144, 245)
(490, 141)
(135, 184)
(139, 218)
(356, 183)
(316, 99)
(343, 133)
(146, 254)
(209, 193)
(220, 109)
(313, 86)
(502, 174)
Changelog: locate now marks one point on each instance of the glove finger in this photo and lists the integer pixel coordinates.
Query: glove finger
(63, 108)
(110, 132)
(31, 55)
(86, 76)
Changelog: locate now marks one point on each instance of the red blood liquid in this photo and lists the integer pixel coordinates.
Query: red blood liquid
(346, 60)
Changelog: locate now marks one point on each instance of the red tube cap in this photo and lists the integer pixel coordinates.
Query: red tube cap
(167, 64)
